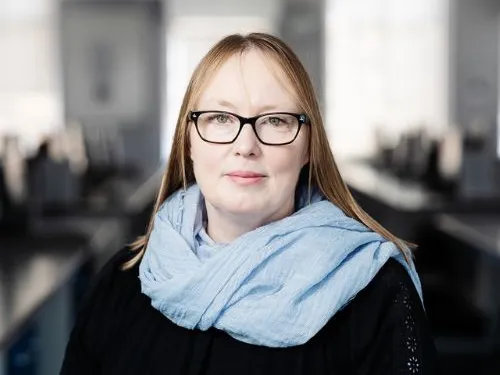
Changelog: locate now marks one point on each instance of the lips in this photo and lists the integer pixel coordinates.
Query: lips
(246, 174)
(246, 178)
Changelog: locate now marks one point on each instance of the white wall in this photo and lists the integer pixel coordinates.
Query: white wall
(113, 78)
(123, 33)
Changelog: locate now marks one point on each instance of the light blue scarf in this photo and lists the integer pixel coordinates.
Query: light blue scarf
(275, 286)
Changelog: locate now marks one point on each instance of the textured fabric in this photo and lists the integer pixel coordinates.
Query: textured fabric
(275, 286)
(382, 331)
(204, 245)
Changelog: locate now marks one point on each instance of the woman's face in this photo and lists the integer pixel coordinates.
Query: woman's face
(247, 178)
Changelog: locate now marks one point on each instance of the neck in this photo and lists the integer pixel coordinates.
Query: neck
(224, 227)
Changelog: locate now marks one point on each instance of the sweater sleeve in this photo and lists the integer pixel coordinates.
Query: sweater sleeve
(93, 324)
(390, 332)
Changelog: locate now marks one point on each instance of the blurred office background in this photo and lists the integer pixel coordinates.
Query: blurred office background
(89, 94)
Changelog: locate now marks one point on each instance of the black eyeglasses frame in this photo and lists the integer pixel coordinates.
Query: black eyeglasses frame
(301, 117)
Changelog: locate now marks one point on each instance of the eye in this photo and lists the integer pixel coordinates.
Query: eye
(278, 120)
(216, 118)
(274, 121)
(221, 118)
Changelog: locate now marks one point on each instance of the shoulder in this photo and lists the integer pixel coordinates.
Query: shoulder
(110, 290)
(100, 314)
(392, 284)
(388, 327)
(112, 280)
(389, 295)
(392, 275)
(390, 298)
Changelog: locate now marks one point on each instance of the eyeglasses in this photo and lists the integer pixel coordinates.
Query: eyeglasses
(273, 129)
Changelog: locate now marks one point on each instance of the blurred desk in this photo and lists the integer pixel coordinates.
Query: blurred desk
(388, 189)
(480, 232)
(403, 206)
(129, 200)
(115, 195)
(475, 242)
(474, 261)
(35, 275)
(400, 206)
(31, 270)
(39, 271)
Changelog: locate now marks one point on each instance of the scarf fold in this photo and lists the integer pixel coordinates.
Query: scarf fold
(275, 286)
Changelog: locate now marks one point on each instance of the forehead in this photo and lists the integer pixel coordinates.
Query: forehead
(249, 82)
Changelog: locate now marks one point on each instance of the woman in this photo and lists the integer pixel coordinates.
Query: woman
(257, 259)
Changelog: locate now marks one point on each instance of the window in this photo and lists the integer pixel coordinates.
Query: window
(386, 66)
(30, 100)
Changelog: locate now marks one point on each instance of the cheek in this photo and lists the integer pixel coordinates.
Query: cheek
(296, 155)
(206, 159)
(286, 164)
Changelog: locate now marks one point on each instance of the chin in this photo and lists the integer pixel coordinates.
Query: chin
(241, 206)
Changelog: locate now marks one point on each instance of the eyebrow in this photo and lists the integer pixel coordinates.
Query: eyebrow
(263, 109)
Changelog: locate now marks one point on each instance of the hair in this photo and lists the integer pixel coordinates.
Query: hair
(320, 172)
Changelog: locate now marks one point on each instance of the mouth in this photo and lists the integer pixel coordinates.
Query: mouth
(246, 177)
(245, 174)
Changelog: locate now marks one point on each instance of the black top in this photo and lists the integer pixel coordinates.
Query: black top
(383, 330)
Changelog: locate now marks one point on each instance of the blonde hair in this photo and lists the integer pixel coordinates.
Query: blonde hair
(321, 171)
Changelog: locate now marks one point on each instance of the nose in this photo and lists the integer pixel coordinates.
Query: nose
(247, 143)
